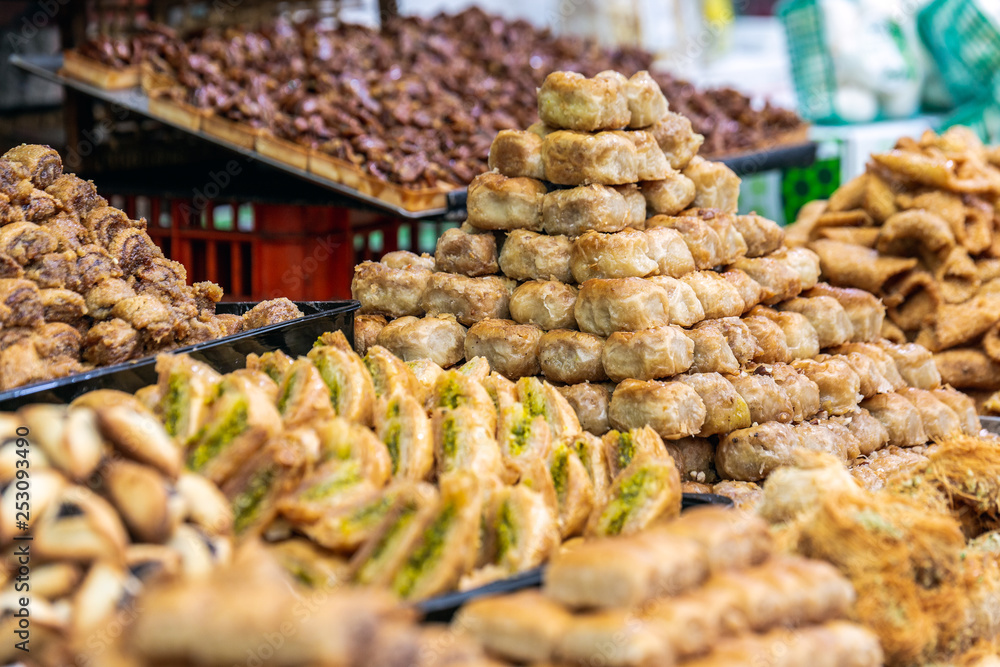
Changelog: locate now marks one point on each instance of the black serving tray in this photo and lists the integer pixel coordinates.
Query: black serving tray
(294, 337)
(442, 608)
(991, 424)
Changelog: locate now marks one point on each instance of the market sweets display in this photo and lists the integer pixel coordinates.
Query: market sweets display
(695, 321)
(83, 285)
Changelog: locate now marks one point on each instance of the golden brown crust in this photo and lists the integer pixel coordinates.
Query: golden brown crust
(649, 354)
(669, 195)
(574, 211)
(967, 368)
(530, 256)
(676, 138)
(652, 164)
(670, 252)
(751, 454)
(866, 311)
(468, 299)
(779, 281)
(394, 292)
(516, 153)
(717, 295)
(574, 158)
(545, 303)
(726, 410)
(468, 254)
(497, 202)
(850, 265)
(672, 409)
(571, 357)
(716, 185)
(685, 307)
(749, 289)
(712, 353)
(767, 401)
(440, 339)
(568, 100)
(826, 316)
(623, 304)
(901, 420)
(762, 236)
(624, 254)
(635, 203)
(839, 385)
(771, 347)
(703, 241)
(511, 348)
(646, 102)
(366, 330)
(591, 403)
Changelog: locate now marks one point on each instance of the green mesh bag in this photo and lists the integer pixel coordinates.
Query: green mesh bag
(965, 42)
(812, 67)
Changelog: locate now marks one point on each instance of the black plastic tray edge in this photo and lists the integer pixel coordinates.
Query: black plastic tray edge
(991, 424)
(14, 398)
(441, 608)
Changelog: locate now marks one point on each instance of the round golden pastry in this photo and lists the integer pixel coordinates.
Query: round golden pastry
(731, 243)
(716, 185)
(749, 289)
(468, 299)
(685, 308)
(497, 202)
(624, 254)
(591, 207)
(568, 100)
(652, 164)
(677, 140)
(366, 330)
(672, 409)
(605, 306)
(511, 348)
(648, 354)
(591, 402)
(646, 102)
(440, 339)
(575, 158)
(717, 295)
(469, 254)
(669, 195)
(517, 153)
(703, 241)
(635, 204)
(394, 292)
(670, 252)
(530, 256)
(545, 303)
(725, 409)
(404, 259)
(739, 336)
(571, 357)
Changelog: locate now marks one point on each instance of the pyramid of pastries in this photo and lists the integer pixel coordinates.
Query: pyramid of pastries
(603, 254)
(83, 285)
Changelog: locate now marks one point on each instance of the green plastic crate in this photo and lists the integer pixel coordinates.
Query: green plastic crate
(965, 43)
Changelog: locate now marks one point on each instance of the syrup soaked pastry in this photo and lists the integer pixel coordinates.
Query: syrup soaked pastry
(702, 240)
(576, 158)
(718, 297)
(771, 346)
(599, 208)
(939, 420)
(649, 354)
(715, 183)
(761, 235)
(766, 400)
(685, 306)
(404, 259)
(672, 409)
(749, 289)
(590, 401)
(636, 205)
(732, 246)
(867, 430)
(547, 304)
(652, 164)
(827, 317)
(530, 256)
(524, 626)
(865, 310)
(498, 202)
(899, 417)
(779, 281)
(571, 101)
(646, 102)
(403, 426)
(571, 356)
(621, 255)
(467, 299)
(439, 339)
(393, 292)
(800, 336)
(623, 304)
(915, 364)
(802, 392)
(516, 153)
(677, 140)
(469, 254)
(668, 249)
(712, 353)
(872, 380)
(884, 363)
(963, 406)
(649, 489)
(751, 454)
(366, 330)
(741, 339)
(726, 410)
(510, 348)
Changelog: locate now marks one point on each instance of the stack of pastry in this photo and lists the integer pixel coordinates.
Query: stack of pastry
(702, 590)
(109, 509)
(603, 254)
(919, 228)
(83, 285)
(407, 476)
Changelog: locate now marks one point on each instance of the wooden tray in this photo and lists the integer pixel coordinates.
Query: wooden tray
(241, 134)
(98, 74)
(345, 173)
(283, 150)
(153, 82)
(184, 115)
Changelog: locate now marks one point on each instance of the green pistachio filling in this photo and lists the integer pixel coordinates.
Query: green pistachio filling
(174, 403)
(626, 450)
(451, 395)
(392, 436)
(211, 439)
(378, 377)
(506, 535)
(517, 437)
(388, 539)
(331, 377)
(288, 388)
(246, 506)
(427, 552)
(642, 484)
(581, 451)
(449, 433)
(533, 397)
(560, 471)
(343, 477)
(367, 516)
